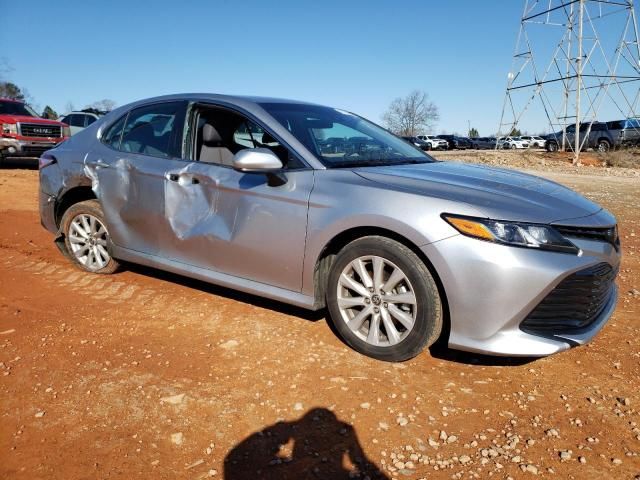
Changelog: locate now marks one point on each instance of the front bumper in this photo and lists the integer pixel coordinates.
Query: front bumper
(32, 149)
(491, 289)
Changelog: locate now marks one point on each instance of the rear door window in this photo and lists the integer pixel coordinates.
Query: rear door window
(154, 130)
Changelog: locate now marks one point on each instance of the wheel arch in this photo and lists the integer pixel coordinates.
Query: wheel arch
(71, 197)
(328, 253)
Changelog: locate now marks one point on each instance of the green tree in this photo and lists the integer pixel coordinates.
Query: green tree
(473, 133)
(515, 132)
(49, 113)
(12, 91)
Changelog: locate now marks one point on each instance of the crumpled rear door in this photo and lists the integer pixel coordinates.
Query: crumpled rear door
(131, 191)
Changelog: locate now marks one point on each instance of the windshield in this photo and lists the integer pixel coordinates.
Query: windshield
(16, 108)
(341, 139)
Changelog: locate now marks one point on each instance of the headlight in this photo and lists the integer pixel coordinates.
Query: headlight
(10, 128)
(512, 233)
(66, 131)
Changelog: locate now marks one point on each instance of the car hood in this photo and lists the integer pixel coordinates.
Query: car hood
(28, 119)
(498, 193)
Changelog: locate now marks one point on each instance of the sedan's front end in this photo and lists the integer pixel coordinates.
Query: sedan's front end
(531, 294)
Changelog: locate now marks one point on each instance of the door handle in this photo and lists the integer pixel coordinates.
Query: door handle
(175, 177)
(99, 163)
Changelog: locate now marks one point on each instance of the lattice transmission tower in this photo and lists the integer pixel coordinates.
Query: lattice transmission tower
(575, 62)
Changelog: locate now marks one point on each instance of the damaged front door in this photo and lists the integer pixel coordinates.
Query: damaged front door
(236, 223)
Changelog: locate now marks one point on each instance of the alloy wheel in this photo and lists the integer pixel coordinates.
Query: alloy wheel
(376, 301)
(88, 239)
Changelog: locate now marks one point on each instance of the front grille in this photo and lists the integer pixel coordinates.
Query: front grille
(34, 151)
(607, 234)
(575, 303)
(37, 130)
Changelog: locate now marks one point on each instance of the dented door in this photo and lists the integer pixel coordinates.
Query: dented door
(131, 191)
(235, 223)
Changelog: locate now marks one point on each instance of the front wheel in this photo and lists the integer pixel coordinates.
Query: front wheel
(604, 146)
(86, 238)
(383, 300)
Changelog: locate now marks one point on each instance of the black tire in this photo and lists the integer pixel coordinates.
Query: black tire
(552, 147)
(93, 208)
(506, 146)
(427, 326)
(603, 146)
(428, 147)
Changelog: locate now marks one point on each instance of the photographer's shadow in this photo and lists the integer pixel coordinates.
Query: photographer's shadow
(316, 446)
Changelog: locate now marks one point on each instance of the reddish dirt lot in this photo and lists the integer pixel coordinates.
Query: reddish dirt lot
(143, 374)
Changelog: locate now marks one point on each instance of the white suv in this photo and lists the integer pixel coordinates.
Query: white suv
(436, 143)
(78, 121)
(534, 141)
(512, 142)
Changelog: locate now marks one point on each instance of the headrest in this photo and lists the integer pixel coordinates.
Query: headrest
(267, 138)
(210, 134)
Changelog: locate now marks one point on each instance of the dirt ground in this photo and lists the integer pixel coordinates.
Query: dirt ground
(144, 374)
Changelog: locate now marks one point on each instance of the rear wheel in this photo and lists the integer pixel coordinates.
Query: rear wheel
(382, 299)
(552, 147)
(86, 238)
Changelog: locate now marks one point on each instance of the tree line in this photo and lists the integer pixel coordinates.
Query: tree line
(13, 92)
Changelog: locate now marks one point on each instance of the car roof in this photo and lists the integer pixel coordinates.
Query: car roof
(227, 98)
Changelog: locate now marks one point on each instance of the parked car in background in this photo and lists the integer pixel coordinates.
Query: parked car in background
(596, 135)
(534, 141)
(625, 133)
(483, 143)
(392, 242)
(454, 142)
(24, 134)
(80, 120)
(436, 143)
(421, 144)
(508, 143)
(465, 141)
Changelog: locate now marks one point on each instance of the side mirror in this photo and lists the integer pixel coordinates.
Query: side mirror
(256, 160)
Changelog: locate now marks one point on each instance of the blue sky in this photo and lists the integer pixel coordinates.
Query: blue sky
(356, 55)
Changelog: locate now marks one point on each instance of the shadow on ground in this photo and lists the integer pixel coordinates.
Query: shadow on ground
(236, 295)
(439, 350)
(442, 352)
(19, 164)
(317, 445)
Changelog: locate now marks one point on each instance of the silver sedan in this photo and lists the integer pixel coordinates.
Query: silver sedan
(318, 207)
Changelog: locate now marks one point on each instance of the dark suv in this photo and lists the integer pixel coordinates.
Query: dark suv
(456, 142)
(599, 137)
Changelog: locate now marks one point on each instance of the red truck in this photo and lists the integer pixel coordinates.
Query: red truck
(23, 134)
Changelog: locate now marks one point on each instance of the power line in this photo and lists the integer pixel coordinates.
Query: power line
(588, 70)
